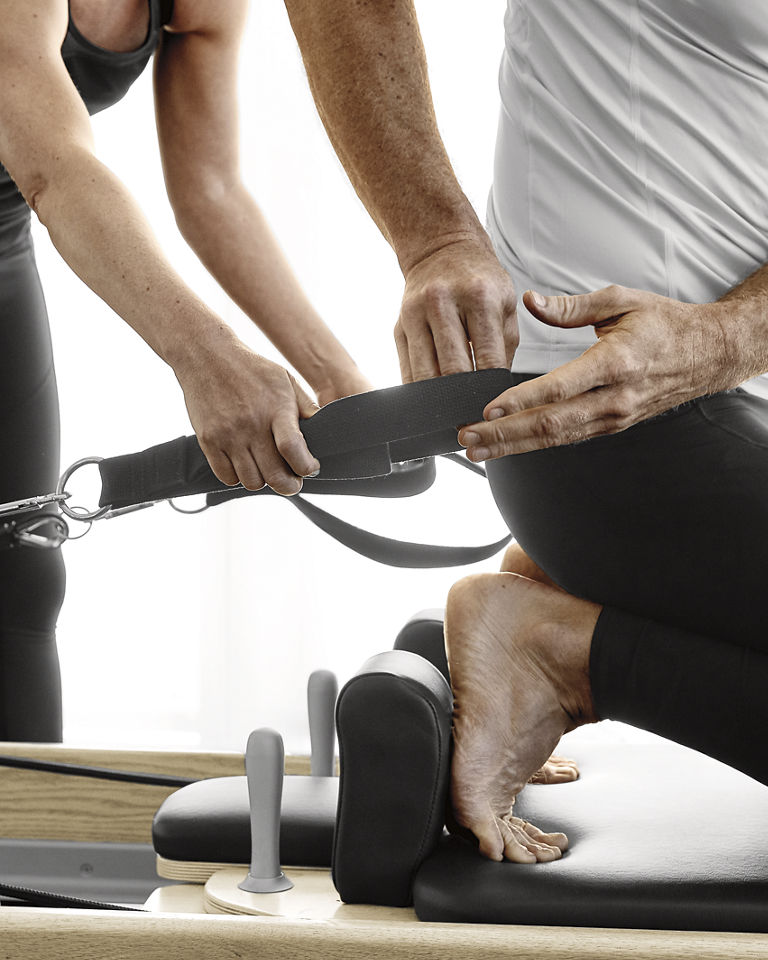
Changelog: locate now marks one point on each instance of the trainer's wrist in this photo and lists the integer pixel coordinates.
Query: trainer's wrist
(417, 252)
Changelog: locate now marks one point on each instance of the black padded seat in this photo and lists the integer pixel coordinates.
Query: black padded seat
(209, 822)
(661, 838)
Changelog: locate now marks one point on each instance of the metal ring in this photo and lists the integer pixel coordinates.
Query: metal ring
(72, 512)
(173, 506)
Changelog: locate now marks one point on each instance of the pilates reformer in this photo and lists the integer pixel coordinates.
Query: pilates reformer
(407, 887)
(633, 884)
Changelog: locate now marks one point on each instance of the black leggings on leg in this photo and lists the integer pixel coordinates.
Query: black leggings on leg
(666, 525)
(31, 580)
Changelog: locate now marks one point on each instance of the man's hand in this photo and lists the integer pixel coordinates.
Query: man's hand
(245, 411)
(457, 296)
(652, 354)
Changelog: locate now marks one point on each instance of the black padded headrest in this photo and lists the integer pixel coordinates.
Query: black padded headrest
(393, 721)
(209, 822)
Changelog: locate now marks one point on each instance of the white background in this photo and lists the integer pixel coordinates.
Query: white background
(190, 631)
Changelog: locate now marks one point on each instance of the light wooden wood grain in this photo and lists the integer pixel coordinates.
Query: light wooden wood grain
(48, 806)
(30, 934)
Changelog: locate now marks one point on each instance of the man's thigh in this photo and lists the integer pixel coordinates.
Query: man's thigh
(668, 519)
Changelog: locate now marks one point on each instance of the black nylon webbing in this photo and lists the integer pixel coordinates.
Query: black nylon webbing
(356, 437)
(376, 444)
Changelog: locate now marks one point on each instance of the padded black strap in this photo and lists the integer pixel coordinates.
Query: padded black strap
(356, 437)
(376, 444)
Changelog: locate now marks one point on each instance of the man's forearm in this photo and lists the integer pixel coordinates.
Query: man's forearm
(744, 327)
(368, 74)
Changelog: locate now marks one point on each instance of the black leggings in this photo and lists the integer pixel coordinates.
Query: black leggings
(31, 579)
(666, 525)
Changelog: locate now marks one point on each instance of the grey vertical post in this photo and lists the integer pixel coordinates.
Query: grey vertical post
(264, 767)
(322, 690)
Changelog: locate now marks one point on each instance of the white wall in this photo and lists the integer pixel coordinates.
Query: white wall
(192, 630)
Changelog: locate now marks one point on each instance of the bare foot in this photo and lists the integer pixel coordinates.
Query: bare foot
(556, 770)
(516, 560)
(518, 653)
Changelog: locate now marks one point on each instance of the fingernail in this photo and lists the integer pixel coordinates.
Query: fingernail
(537, 298)
(479, 453)
(315, 472)
(495, 413)
(469, 438)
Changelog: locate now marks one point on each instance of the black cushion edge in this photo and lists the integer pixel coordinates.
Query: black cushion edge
(394, 729)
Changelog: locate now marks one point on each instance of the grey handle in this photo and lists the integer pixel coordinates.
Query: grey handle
(264, 767)
(322, 690)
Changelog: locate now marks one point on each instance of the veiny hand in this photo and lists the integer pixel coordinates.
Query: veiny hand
(245, 411)
(652, 354)
(457, 296)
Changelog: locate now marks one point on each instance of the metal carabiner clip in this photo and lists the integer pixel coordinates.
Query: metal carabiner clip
(24, 532)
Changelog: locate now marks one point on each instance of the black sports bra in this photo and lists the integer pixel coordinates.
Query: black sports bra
(103, 77)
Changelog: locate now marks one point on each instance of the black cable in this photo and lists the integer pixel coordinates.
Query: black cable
(41, 898)
(98, 773)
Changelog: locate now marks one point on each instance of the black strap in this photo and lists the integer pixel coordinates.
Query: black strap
(96, 773)
(377, 444)
(43, 898)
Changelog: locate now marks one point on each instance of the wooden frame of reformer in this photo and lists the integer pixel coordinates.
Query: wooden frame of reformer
(47, 806)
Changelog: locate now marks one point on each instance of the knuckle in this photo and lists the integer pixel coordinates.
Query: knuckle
(550, 427)
(434, 294)
(479, 292)
(252, 481)
(290, 444)
(624, 364)
(624, 403)
(282, 482)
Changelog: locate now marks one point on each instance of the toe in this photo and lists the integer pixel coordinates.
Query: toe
(517, 846)
(558, 840)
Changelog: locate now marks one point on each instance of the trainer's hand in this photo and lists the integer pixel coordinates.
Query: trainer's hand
(457, 296)
(245, 412)
(652, 354)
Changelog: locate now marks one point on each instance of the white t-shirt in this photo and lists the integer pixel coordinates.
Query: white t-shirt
(633, 149)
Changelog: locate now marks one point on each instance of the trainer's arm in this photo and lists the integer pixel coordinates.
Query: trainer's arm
(368, 74)
(197, 119)
(243, 408)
